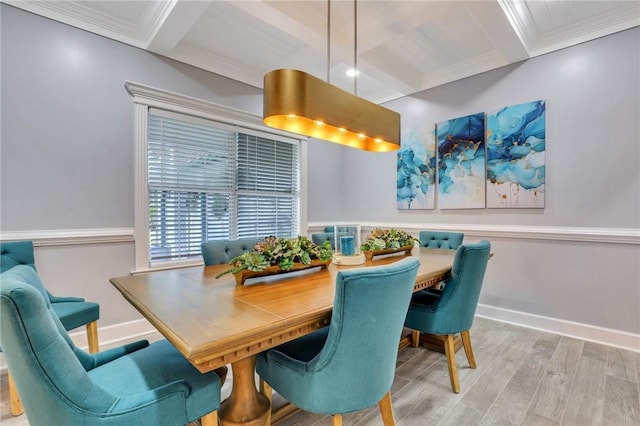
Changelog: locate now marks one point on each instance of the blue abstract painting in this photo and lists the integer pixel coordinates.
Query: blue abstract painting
(461, 163)
(516, 156)
(416, 169)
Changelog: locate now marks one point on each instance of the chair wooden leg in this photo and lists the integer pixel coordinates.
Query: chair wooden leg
(265, 389)
(92, 337)
(386, 410)
(14, 397)
(466, 342)
(415, 338)
(450, 351)
(337, 420)
(210, 419)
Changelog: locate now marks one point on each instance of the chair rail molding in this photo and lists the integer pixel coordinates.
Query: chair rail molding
(556, 233)
(61, 237)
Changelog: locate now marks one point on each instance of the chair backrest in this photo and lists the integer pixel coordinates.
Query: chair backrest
(222, 251)
(453, 312)
(441, 240)
(43, 360)
(319, 238)
(328, 234)
(14, 253)
(357, 364)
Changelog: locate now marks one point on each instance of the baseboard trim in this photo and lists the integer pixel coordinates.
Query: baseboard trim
(606, 336)
(115, 335)
(139, 329)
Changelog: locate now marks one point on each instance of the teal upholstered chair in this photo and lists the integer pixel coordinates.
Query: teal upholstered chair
(72, 312)
(222, 251)
(63, 385)
(350, 364)
(441, 240)
(452, 311)
(327, 235)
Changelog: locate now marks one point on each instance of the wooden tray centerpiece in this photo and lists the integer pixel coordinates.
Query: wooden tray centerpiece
(273, 256)
(245, 274)
(387, 241)
(371, 253)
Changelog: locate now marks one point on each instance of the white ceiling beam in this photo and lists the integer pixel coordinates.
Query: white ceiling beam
(280, 21)
(503, 35)
(178, 19)
(406, 17)
(520, 20)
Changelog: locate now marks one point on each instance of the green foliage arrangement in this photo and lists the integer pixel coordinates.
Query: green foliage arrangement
(282, 252)
(381, 239)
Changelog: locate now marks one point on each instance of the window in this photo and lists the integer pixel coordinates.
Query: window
(267, 187)
(205, 177)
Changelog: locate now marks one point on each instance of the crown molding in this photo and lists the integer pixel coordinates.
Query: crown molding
(176, 102)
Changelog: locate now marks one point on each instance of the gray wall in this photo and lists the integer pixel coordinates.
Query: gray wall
(67, 121)
(67, 147)
(592, 94)
(67, 163)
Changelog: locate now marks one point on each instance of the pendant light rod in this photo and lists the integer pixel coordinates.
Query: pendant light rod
(355, 47)
(328, 41)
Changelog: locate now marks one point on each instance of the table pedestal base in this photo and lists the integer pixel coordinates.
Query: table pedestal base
(245, 406)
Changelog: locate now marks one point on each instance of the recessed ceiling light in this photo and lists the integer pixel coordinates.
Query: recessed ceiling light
(352, 72)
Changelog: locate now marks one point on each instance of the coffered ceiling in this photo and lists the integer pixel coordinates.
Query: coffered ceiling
(403, 47)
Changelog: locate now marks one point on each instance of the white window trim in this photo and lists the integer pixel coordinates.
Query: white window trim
(145, 97)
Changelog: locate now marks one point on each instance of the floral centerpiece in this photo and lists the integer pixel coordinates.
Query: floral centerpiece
(278, 255)
(384, 241)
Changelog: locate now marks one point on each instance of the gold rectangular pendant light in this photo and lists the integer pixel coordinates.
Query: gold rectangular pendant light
(301, 103)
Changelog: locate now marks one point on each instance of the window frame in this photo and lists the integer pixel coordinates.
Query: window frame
(145, 97)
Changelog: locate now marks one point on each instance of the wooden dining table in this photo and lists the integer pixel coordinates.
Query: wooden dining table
(214, 321)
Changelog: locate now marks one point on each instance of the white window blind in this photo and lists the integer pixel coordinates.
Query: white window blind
(267, 187)
(210, 181)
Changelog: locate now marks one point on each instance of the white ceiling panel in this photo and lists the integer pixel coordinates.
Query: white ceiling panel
(402, 46)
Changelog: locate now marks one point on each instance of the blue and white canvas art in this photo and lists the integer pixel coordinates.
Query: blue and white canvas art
(416, 169)
(461, 163)
(516, 156)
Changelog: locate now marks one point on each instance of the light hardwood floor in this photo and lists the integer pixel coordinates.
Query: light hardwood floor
(524, 377)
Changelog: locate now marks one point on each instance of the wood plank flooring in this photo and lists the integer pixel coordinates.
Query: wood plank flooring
(523, 377)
